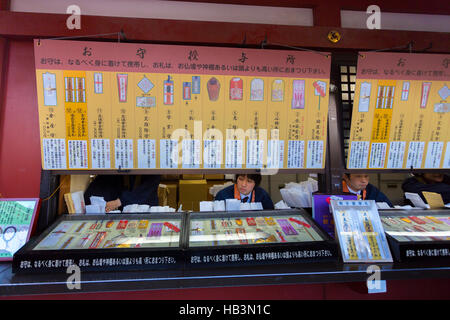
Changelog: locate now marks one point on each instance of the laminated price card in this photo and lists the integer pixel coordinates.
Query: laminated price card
(360, 232)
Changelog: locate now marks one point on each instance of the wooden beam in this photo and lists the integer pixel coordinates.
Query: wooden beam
(34, 25)
(327, 15)
(412, 6)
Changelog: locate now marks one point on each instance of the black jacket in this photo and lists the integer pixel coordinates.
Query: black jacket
(373, 193)
(417, 185)
(131, 189)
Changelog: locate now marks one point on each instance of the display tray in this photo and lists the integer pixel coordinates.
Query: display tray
(417, 234)
(105, 243)
(258, 237)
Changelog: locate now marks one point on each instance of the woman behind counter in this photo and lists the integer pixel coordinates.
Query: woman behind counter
(246, 189)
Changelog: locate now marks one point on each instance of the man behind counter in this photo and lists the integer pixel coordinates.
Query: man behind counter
(431, 182)
(122, 190)
(246, 189)
(359, 184)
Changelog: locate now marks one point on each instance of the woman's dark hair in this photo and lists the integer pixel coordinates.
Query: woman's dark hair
(254, 177)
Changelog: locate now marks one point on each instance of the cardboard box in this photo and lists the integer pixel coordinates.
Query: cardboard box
(191, 192)
(168, 195)
(192, 177)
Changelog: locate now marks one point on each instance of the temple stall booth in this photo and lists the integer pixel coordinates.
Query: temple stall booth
(99, 111)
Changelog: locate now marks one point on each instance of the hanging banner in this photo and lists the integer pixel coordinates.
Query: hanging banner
(401, 112)
(139, 106)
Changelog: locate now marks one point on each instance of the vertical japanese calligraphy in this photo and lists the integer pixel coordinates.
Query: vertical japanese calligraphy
(135, 106)
(401, 104)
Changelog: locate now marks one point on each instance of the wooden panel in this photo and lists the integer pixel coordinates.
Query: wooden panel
(413, 6)
(29, 25)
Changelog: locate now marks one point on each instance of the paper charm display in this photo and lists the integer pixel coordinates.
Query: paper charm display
(98, 82)
(49, 80)
(122, 82)
(236, 89)
(277, 90)
(426, 86)
(364, 97)
(186, 91)
(195, 84)
(298, 94)
(360, 232)
(168, 91)
(75, 89)
(213, 87)
(405, 90)
(443, 106)
(320, 88)
(257, 90)
(145, 85)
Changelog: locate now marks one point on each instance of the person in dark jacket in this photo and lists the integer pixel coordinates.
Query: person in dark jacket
(359, 184)
(431, 182)
(246, 188)
(122, 190)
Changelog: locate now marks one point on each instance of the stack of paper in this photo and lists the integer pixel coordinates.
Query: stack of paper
(206, 206)
(161, 209)
(416, 200)
(229, 205)
(233, 205)
(219, 205)
(281, 205)
(136, 208)
(299, 195)
(75, 202)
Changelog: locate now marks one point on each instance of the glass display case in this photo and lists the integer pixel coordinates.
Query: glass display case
(258, 237)
(176, 240)
(417, 234)
(106, 243)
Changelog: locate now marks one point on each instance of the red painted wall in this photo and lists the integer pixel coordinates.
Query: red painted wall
(20, 157)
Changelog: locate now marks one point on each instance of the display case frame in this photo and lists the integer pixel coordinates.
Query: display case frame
(31, 259)
(28, 260)
(257, 254)
(405, 251)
